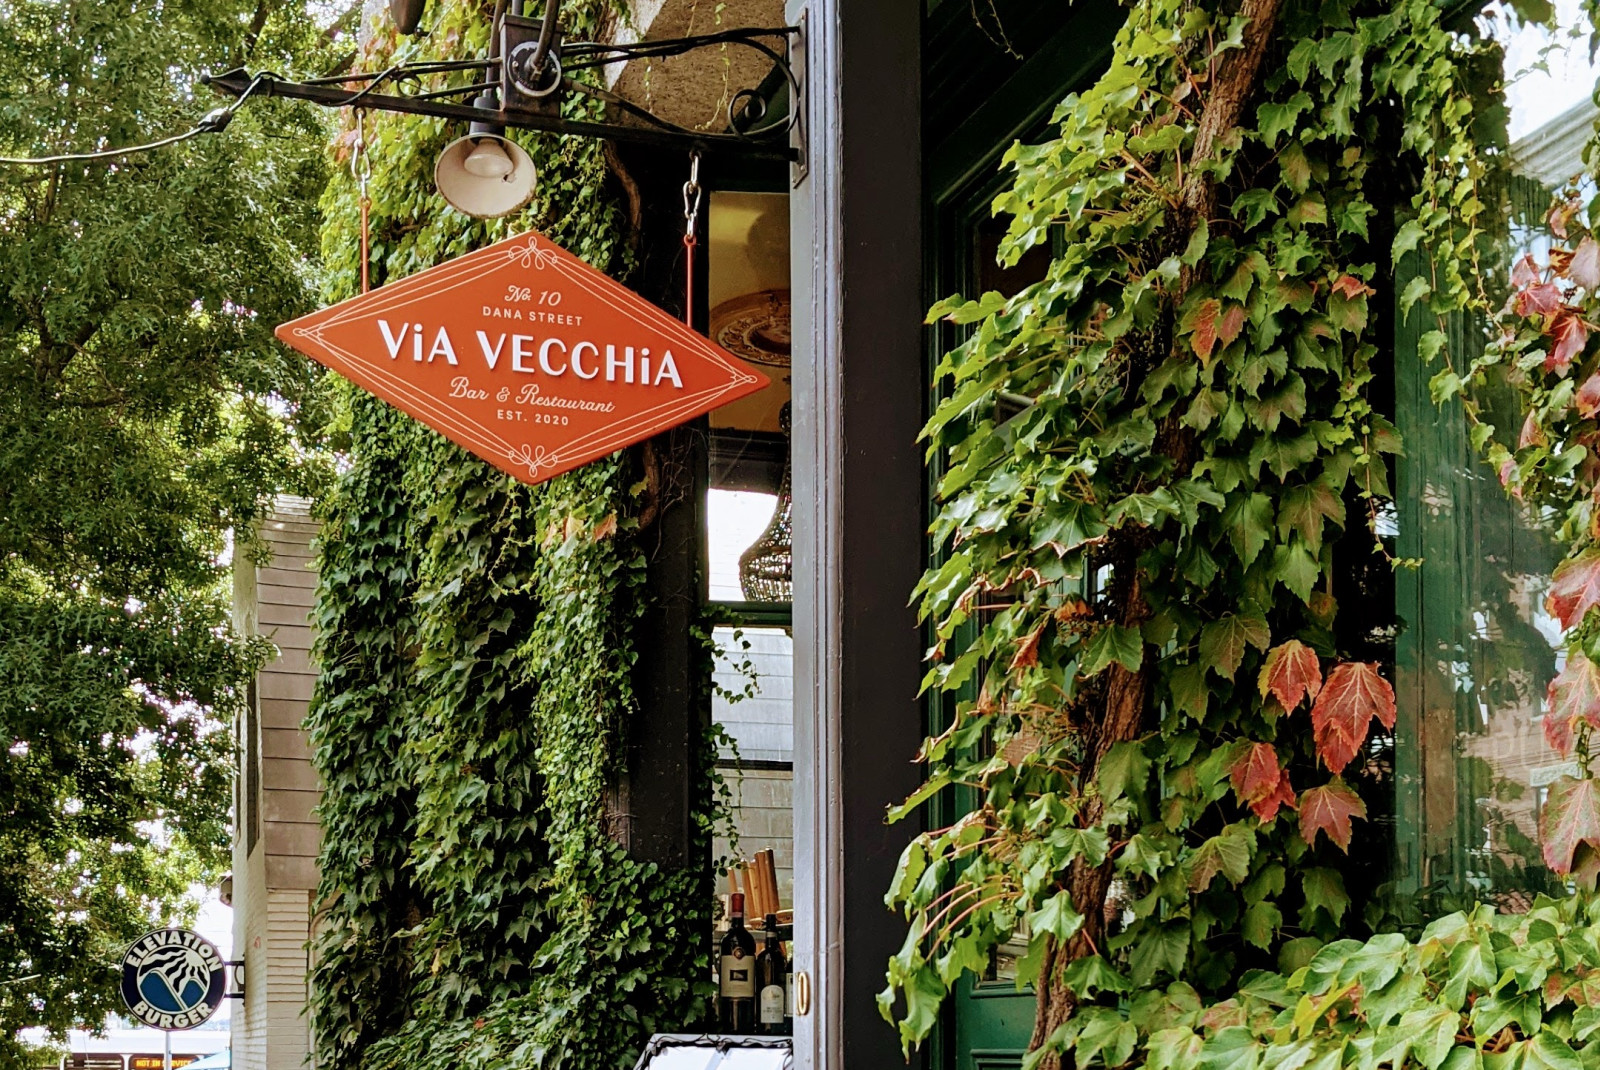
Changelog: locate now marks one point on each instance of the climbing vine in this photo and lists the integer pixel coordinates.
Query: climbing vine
(476, 653)
(1150, 605)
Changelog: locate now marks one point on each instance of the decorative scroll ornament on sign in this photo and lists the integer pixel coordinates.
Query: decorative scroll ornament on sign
(526, 356)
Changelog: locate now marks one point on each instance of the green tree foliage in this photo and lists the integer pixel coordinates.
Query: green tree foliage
(142, 407)
(476, 643)
(1165, 698)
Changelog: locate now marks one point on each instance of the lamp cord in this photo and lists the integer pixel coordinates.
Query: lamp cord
(213, 122)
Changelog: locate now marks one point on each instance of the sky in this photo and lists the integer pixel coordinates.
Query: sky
(1547, 72)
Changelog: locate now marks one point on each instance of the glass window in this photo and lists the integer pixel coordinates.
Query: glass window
(749, 571)
(1475, 648)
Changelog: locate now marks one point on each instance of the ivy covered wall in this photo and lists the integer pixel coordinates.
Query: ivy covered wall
(477, 643)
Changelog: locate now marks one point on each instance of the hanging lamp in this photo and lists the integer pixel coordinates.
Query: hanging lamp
(766, 568)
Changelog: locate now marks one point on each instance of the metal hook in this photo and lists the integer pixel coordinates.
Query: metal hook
(360, 161)
(361, 168)
(691, 197)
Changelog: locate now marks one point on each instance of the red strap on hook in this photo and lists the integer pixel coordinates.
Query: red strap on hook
(689, 242)
(691, 221)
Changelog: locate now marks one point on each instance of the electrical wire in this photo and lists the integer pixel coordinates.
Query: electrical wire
(104, 154)
(213, 122)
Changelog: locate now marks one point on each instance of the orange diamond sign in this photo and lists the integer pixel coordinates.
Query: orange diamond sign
(525, 355)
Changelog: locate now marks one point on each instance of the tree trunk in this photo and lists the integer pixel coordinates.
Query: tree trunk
(1127, 694)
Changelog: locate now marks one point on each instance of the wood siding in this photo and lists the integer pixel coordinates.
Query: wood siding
(274, 882)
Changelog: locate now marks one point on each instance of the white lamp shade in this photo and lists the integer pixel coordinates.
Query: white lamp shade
(485, 175)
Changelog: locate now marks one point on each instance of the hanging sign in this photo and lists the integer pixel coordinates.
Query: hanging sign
(173, 979)
(526, 356)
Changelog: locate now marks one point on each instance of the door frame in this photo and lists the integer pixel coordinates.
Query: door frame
(857, 478)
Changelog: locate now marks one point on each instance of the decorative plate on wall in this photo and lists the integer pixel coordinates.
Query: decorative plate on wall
(754, 326)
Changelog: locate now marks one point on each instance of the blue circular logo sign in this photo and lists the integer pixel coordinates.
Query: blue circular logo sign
(173, 979)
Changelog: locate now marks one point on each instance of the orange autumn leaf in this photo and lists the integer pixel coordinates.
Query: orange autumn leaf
(606, 528)
(1569, 821)
(1255, 772)
(1525, 272)
(1532, 432)
(1231, 324)
(1027, 655)
(1203, 320)
(1291, 673)
(1573, 696)
(1260, 783)
(1574, 588)
(1571, 334)
(1584, 267)
(1328, 809)
(1540, 299)
(1351, 287)
(1342, 715)
(1587, 400)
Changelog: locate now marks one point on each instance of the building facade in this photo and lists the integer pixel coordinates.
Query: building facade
(906, 109)
(276, 834)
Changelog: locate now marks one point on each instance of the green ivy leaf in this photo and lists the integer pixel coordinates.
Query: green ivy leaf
(1089, 976)
(1248, 519)
(1112, 643)
(1223, 642)
(1234, 1048)
(1261, 923)
(1324, 891)
(1159, 949)
(1057, 917)
(1227, 854)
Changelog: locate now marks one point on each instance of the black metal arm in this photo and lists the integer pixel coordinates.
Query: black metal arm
(746, 137)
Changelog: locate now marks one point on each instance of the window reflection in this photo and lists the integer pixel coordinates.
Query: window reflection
(1476, 649)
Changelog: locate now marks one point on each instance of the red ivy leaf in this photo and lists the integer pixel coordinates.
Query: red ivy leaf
(1560, 216)
(1255, 773)
(1352, 287)
(1329, 809)
(1573, 695)
(1343, 712)
(1540, 300)
(1584, 269)
(1267, 808)
(1508, 472)
(1291, 673)
(1027, 655)
(1588, 397)
(1532, 432)
(1571, 334)
(1570, 819)
(1558, 732)
(1260, 783)
(1203, 320)
(1574, 588)
(1525, 273)
(1231, 324)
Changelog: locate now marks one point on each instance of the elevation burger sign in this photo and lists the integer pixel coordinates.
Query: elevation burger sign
(525, 355)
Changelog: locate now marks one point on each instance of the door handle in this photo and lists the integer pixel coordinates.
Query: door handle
(802, 994)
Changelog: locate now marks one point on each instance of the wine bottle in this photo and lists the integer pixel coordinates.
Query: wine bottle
(788, 998)
(736, 998)
(770, 970)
